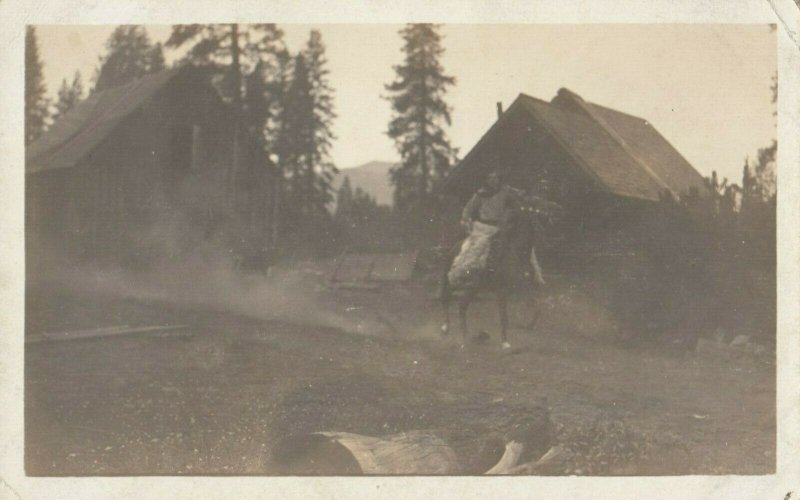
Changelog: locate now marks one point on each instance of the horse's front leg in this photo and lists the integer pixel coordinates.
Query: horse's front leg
(502, 307)
(463, 306)
(445, 289)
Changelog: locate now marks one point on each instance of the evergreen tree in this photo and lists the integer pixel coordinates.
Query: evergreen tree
(749, 188)
(232, 50)
(266, 88)
(361, 224)
(129, 55)
(255, 106)
(764, 180)
(308, 137)
(233, 53)
(319, 166)
(419, 115)
(68, 95)
(277, 88)
(765, 175)
(157, 62)
(363, 206)
(277, 137)
(297, 141)
(344, 199)
(36, 102)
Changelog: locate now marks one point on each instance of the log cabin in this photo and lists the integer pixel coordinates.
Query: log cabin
(142, 170)
(608, 169)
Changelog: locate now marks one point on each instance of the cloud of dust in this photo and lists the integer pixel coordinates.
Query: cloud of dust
(205, 276)
(184, 254)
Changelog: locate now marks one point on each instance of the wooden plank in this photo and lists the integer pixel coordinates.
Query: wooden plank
(354, 267)
(353, 285)
(337, 264)
(112, 331)
(393, 267)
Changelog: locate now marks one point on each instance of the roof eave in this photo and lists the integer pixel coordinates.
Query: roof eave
(453, 177)
(176, 72)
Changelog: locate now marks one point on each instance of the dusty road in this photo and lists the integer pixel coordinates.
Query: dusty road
(218, 401)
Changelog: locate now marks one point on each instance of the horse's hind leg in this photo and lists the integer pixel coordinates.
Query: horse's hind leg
(535, 309)
(446, 325)
(463, 306)
(445, 298)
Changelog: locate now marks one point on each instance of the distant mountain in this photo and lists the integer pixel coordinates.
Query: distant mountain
(372, 178)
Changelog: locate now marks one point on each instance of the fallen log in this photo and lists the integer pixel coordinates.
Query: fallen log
(414, 452)
(338, 453)
(475, 430)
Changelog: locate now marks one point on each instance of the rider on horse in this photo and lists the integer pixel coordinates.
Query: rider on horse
(499, 248)
(493, 204)
(487, 217)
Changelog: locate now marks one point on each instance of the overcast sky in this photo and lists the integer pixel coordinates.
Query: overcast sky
(704, 87)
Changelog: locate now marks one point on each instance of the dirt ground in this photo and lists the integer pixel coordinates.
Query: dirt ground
(220, 400)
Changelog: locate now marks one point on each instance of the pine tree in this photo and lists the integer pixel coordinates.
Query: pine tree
(277, 137)
(363, 207)
(419, 116)
(765, 175)
(344, 199)
(36, 102)
(157, 61)
(68, 95)
(748, 185)
(319, 166)
(233, 52)
(297, 141)
(277, 88)
(308, 136)
(254, 105)
(263, 105)
(764, 179)
(129, 55)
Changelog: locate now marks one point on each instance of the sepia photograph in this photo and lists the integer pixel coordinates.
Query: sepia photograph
(413, 249)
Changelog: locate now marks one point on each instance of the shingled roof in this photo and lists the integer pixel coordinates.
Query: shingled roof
(84, 127)
(624, 155)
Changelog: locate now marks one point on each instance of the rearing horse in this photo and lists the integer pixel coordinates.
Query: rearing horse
(511, 259)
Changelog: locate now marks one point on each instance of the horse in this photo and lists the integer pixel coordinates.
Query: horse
(512, 252)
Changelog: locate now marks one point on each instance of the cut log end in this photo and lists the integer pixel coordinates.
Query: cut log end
(510, 458)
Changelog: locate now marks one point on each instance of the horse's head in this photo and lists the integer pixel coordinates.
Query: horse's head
(539, 211)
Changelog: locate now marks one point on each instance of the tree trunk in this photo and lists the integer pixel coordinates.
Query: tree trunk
(275, 205)
(237, 115)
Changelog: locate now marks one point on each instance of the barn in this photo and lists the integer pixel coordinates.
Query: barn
(140, 170)
(605, 167)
